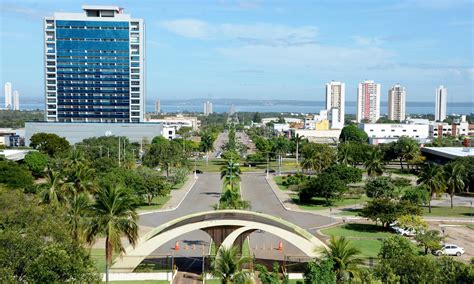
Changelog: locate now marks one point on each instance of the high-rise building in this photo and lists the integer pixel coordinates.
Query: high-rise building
(94, 66)
(396, 103)
(335, 99)
(208, 108)
(157, 106)
(368, 101)
(441, 103)
(8, 95)
(16, 100)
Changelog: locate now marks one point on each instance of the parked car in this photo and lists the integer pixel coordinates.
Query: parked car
(450, 249)
(270, 171)
(198, 171)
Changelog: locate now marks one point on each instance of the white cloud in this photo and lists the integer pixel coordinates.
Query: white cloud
(259, 33)
(361, 40)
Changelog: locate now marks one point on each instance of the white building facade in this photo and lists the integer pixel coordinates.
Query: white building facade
(396, 103)
(16, 100)
(8, 95)
(380, 133)
(335, 103)
(94, 66)
(441, 103)
(368, 101)
(207, 108)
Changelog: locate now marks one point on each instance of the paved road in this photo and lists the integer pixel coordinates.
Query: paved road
(256, 189)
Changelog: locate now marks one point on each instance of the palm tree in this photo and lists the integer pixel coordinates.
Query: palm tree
(77, 209)
(343, 153)
(344, 256)
(81, 179)
(309, 163)
(454, 176)
(231, 199)
(432, 177)
(52, 190)
(374, 165)
(227, 266)
(207, 144)
(230, 173)
(298, 138)
(113, 215)
(280, 147)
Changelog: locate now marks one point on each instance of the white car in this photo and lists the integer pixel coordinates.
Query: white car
(450, 249)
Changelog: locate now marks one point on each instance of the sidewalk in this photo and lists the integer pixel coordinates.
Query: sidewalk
(177, 196)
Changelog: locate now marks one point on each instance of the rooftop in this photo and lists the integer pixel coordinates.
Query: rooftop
(450, 152)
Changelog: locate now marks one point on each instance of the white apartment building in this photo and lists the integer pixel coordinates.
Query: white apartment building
(380, 133)
(441, 129)
(16, 100)
(441, 103)
(157, 106)
(94, 66)
(207, 108)
(8, 95)
(396, 103)
(368, 101)
(335, 99)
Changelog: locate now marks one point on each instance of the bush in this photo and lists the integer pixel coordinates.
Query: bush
(380, 187)
(37, 163)
(401, 182)
(346, 174)
(296, 179)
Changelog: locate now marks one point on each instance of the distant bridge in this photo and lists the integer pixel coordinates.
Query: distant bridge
(225, 227)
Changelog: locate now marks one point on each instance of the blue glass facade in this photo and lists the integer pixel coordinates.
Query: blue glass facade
(93, 71)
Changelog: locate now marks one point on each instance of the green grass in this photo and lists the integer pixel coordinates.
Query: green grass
(456, 212)
(180, 185)
(365, 237)
(143, 281)
(98, 255)
(318, 203)
(279, 181)
(214, 165)
(213, 281)
(157, 203)
(368, 248)
(357, 231)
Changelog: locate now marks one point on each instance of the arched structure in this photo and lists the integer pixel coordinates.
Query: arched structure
(224, 227)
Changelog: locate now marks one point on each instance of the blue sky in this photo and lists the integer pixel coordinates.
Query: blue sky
(272, 49)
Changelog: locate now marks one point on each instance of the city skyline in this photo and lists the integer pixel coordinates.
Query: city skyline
(248, 50)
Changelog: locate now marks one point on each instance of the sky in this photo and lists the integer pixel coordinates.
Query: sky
(257, 49)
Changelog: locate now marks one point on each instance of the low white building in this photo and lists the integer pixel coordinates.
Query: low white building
(441, 129)
(177, 121)
(380, 133)
(76, 132)
(320, 136)
(287, 120)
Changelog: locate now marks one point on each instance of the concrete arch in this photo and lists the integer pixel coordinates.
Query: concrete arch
(243, 221)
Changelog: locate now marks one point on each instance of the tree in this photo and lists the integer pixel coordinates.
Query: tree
(80, 179)
(227, 266)
(298, 138)
(380, 187)
(257, 118)
(230, 173)
(37, 163)
(344, 256)
(319, 271)
(432, 177)
(14, 175)
(374, 164)
(415, 194)
(387, 210)
(50, 144)
(231, 199)
(52, 191)
(325, 185)
(454, 177)
(406, 149)
(272, 277)
(36, 246)
(468, 164)
(77, 208)
(429, 240)
(113, 215)
(153, 185)
(207, 144)
(413, 222)
(165, 154)
(353, 133)
(317, 156)
(280, 147)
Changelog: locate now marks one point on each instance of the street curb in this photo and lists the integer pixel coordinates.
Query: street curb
(276, 195)
(176, 207)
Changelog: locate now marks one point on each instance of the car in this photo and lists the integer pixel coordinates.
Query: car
(406, 232)
(270, 171)
(450, 249)
(198, 171)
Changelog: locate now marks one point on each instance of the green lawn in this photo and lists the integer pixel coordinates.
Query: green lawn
(214, 165)
(279, 181)
(318, 203)
(98, 255)
(365, 237)
(457, 212)
(357, 231)
(157, 203)
(144, 281)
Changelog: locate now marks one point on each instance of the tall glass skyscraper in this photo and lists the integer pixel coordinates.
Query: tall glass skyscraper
(94, 66)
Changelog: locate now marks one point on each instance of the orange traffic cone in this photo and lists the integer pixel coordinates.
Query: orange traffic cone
(280, 245)
(176, 246)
